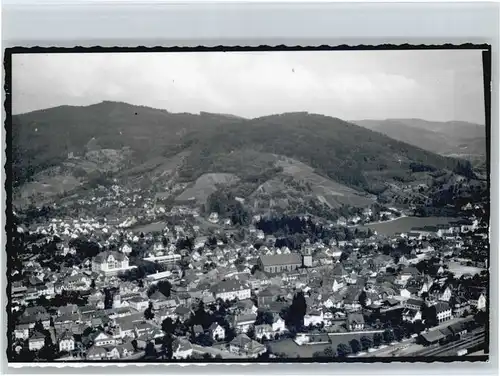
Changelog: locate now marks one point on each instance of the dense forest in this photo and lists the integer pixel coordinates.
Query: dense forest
(342, 151)
(292, 232)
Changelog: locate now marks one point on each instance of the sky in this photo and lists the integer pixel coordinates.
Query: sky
(441, 85)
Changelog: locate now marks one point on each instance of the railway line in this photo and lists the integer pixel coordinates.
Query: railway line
(452, 348)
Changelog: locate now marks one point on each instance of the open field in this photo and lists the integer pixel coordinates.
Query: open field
(292, 350)
(332, 193)
(205, 185)
(289, 347)
(458, 269)
(405, 224)
(47, 187)
(150, 227)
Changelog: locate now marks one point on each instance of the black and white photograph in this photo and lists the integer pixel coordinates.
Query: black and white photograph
(238, 205)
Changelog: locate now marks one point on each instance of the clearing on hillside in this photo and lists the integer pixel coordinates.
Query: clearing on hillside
(205, 185)
(326, 190)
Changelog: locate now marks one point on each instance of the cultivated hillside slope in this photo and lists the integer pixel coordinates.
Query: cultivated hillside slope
(334, 157)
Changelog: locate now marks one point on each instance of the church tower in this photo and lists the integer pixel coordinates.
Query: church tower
(307, 256)
(117, 302)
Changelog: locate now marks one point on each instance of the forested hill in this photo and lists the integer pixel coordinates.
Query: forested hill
(453, 138)
(44, 138)
(342, 151)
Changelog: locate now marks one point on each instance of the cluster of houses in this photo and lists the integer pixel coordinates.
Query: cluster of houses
(341, 282)
(368, 215)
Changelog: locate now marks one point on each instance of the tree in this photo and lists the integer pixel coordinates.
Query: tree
(366, 343)
(297, 311)
(42, 301)
(429, 315)
(318, 354)
(264, 317)
(251, 332)
(39, 327)
(168, 326)
(362, 298)
(167, 346)
(418, 326)
(377, 339)
(355, 346)
(481, 318)
(388, 336)
(148, 313)
(343, 350)
(329, 352)
(150, 350)
(398, 333)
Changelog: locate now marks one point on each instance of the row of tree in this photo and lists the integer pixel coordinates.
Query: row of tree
(363, 344)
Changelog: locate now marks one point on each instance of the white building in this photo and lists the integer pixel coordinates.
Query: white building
(217, 332)
(337, 285)
(169, 258)
(314, 318)
(103, 339)
(126, 249)
(66, 342)
(36, 342)
(443, 311)
(278, 324)
(111, 262)
(231, 289)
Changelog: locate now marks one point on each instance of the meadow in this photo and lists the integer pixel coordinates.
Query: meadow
(405, 224)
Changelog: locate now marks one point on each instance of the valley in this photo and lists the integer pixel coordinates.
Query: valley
(275, 163)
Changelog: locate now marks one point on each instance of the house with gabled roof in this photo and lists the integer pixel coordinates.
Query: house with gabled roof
(182, 348)
(264, 330)
(36, 341)
(66, 341)
(314, 317)
(66, 321)
(158, 300)
(67, 309)
(96, 353)
(243, 345)
(477, 299)
(112, 352)
(231, 289)
(339, 271)
(34, 311)
(443, 311)
(104, 339)
(126, 349)
(139, 303)
(110, 262)
(278, 263)
(182, 312)
(243, 322)
(355, 321)
(217, 332)
(21, 331)
(337, 284)
(412, 314)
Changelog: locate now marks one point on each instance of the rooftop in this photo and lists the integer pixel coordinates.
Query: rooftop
(283, 259)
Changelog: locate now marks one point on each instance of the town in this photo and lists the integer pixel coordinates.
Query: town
(155, 283)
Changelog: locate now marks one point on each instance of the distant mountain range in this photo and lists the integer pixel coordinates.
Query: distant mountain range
(326, 158)
(454, 138)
